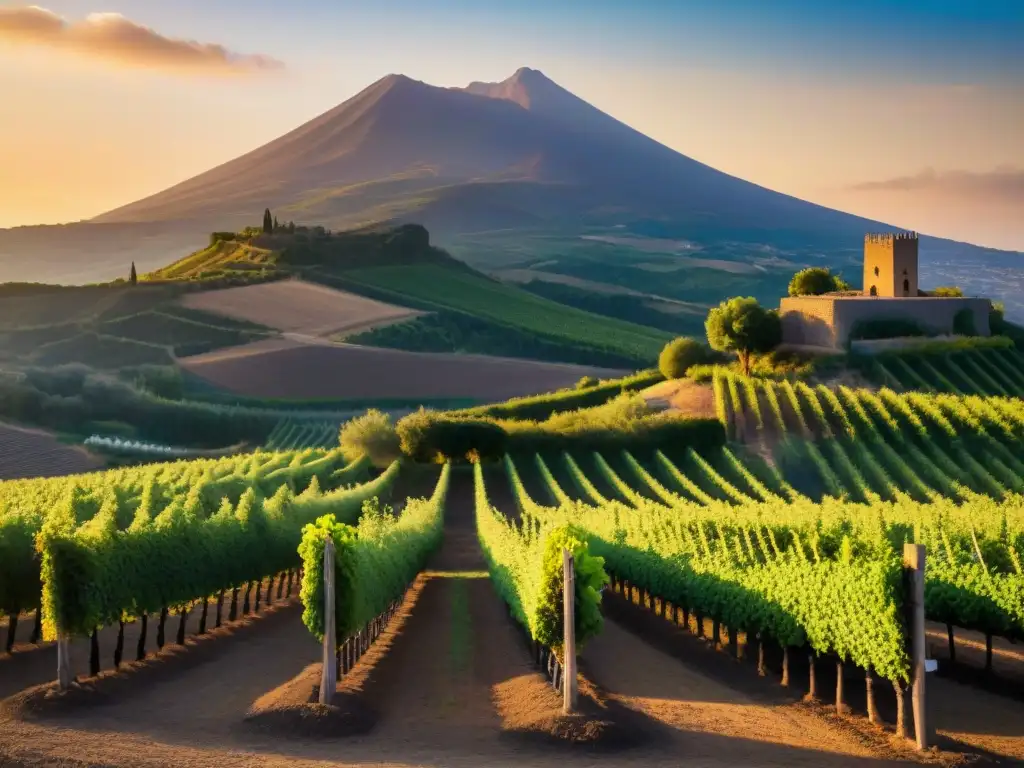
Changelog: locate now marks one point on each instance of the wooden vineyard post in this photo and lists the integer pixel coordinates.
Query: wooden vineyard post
(63, 662)
(913, 563)
(329, 676)
(569, 643)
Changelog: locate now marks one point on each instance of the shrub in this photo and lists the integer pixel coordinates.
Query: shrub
(217, 237)
(427, 436)
(948, 291)
(963, 323)
(888, 328)
(586, 382)
(371, 435)
(814, 281)
(679, 355)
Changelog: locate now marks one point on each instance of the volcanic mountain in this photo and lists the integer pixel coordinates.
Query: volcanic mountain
(519, 157)
(521, 152)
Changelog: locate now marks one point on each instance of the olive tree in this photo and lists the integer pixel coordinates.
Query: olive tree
(743, 326)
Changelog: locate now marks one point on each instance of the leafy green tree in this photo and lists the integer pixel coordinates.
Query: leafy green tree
(949, 291)
(815, 281)
(133, 277)
(268, 222)
(679, 355)
(743, 326)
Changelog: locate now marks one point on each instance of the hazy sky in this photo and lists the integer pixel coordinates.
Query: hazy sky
(909, 111)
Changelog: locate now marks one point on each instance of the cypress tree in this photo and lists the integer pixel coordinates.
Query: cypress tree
(276, 225)
(133, 278)
(268, 221)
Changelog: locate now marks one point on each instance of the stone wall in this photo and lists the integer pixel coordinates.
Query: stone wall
(827, 321)
(809, 320)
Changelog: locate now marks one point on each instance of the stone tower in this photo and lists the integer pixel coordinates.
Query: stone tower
(890, 265)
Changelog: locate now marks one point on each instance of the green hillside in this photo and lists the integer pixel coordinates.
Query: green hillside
(507, 305)
(470, 312)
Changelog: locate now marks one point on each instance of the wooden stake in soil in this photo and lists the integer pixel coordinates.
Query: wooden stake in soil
(840, 698)
(64, 675)
(12, 627)
(812, 681)
(914, 563)
(183, 614)
(901, 719)
(869, 682)
(761, 671)
(37, 628)
(119, 648)
(569, 607)
(140, 649)
(329, 676)
(160, 629)
(94, 653)
(785, 666)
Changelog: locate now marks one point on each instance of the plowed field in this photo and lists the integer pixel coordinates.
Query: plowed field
(303, 367)
(299, 307)
(33, 453)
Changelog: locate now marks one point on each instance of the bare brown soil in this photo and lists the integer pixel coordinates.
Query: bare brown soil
(683, 397)
(298, 306)
(287, 368)
(28, 452)
(451, 683)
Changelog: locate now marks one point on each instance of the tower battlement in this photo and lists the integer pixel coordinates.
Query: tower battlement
(888, 237)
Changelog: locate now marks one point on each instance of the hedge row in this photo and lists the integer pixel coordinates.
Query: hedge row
(427, 437)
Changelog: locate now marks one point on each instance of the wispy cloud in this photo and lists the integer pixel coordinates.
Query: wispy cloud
(1004, 183)
(112, 37)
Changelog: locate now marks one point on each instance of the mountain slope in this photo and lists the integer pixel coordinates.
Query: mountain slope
(424, 144)
(504, 174)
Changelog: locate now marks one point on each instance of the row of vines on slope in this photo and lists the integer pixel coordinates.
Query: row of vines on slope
(376, 558)
(99, 573)
(525, 566)
(682, 549)
(120, 499)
